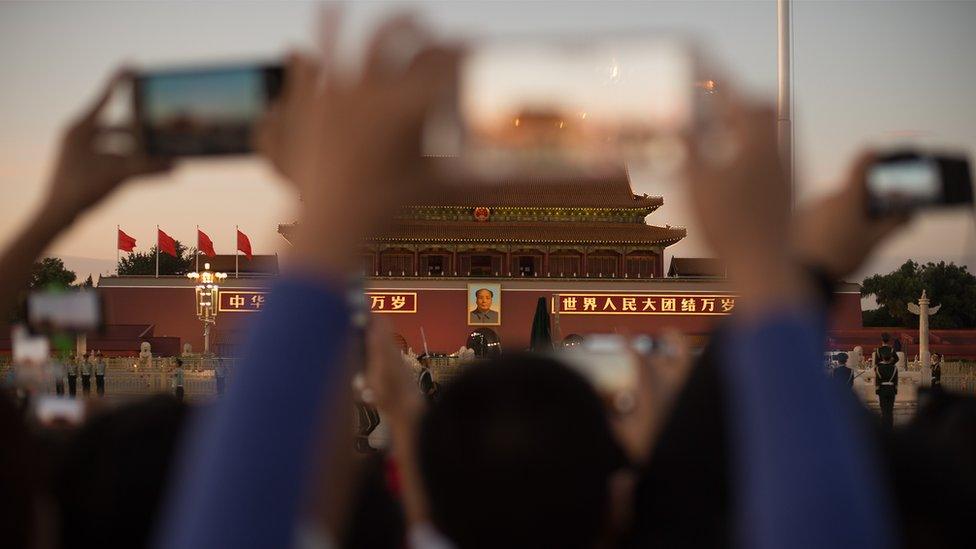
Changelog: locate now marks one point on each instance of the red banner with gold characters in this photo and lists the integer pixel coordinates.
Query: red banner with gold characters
(392, 302)
(240, 301)
(642, 304)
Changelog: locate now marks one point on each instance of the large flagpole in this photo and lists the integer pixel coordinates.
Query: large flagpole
(157, 251)
(237, 250)
(196, 256)
(784, 103)
(118, 256)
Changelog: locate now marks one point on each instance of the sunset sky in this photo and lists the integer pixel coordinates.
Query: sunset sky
(866, 73)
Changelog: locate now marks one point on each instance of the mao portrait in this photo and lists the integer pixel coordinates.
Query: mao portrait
(484, 304)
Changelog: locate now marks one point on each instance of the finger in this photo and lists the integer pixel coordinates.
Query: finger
(90, 117)
(300, 79)
(265, 132)
(883, 228)
(328, 39)
(856, 189)
(394, 44)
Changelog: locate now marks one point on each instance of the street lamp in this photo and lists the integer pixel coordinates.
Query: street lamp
(206, 292)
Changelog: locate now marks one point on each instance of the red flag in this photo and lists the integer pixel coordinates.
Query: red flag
(126, 242)
(243, 243)
(204, 244)
(166, 243)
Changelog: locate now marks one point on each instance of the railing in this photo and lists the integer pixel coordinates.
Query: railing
(190, 363)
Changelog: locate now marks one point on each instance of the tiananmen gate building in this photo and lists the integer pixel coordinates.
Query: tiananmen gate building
(585, 245)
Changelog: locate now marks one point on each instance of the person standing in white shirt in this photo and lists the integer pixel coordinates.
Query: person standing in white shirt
(99, 374)
(178, 379)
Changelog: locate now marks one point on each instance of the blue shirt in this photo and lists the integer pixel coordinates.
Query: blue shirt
(240, 476)
(805, 471)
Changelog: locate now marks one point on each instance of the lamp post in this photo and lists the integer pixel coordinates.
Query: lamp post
(206, 294)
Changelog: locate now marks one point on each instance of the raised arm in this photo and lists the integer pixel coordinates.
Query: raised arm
(353, 150)
(83, 175)
(804, 474)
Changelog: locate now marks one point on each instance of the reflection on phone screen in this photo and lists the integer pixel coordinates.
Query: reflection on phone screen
(201, 112)
(903, 185)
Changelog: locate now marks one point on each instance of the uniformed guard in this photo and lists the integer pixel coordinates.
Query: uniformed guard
(842, 373)
(99, 374)
(86, 372)
(886, 380)
(72, 376)
(936, 371)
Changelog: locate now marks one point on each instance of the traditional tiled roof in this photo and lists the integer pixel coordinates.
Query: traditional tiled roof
(555, 233)
(611, 191)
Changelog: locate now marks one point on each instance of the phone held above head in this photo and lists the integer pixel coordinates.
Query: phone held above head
(204, 110)
(523, 105)
(903, 182)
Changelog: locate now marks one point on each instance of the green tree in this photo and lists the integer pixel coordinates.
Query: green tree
(88, 283)
(49, 272)
(144, 263)
(946, 284)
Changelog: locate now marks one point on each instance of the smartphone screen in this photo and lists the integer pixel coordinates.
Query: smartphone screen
(904, 185)
(560, 105)
(606, 361)
(71, 311)
(206, 111)
(51, 410)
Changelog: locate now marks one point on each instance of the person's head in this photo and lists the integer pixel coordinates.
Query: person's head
(841, 358)
(179, 363)
(885, 353)
(885, 338)
(936, 357)
(483, 298)
(114, 471)
(518, 452)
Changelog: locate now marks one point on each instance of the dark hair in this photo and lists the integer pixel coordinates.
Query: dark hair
(517, 453)
(113, 472)
(885, 337)
(479, 290)
(179, 362)
(841, 357)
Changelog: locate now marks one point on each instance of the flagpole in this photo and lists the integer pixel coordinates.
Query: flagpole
(157, 251)
(196, 256)
(237, 252)
(118, 256)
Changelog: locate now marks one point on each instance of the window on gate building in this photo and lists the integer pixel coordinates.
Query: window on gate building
(602, 265)
(434, 264)
(526, 265)
(480, 264)
(640, 266)
(565, 264)
(397, 263)
(368, 262)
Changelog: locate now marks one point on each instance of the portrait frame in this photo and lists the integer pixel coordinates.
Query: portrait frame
(496, 306)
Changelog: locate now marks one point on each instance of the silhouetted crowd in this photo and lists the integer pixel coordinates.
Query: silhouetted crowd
(746, 444)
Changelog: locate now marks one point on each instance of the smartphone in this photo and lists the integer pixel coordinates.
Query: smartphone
(51, 410)
(568, 105)
(64, 311)
(607, 361)
(903, 182)
(203, 111)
